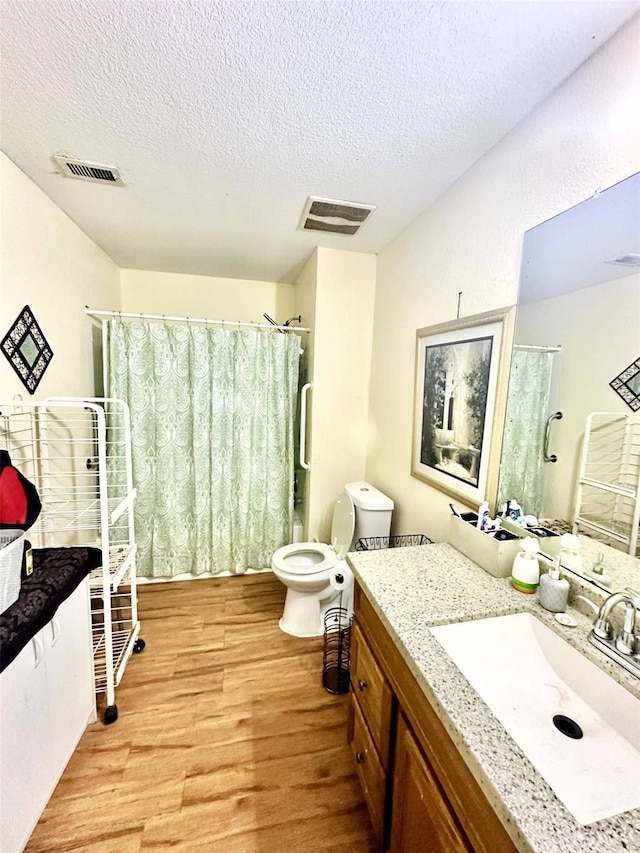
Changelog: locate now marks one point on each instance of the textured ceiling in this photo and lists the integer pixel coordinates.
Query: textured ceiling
(225, 116)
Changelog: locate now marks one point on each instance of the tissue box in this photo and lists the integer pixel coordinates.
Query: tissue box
(548, 540)
(495, 556)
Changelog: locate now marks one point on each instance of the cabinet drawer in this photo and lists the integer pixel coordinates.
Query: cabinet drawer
(372, 692)
(373, 779)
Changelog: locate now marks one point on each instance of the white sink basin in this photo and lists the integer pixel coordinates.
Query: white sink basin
(527, 674)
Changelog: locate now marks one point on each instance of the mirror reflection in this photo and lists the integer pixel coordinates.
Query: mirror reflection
(29, 350)
(578, 329)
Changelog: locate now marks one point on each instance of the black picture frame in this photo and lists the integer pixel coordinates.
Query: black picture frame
(627, 385)
(457, 439)
(27, 350)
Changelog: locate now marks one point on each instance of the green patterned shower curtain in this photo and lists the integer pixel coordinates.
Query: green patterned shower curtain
(212, 413)
(522, 471)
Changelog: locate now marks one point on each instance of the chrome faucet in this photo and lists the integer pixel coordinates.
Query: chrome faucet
(624, 647)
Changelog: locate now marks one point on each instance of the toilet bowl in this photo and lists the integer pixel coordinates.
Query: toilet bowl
(315, 574)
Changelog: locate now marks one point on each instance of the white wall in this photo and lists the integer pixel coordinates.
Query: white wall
(582, 138)
(340, 285)
(205, 296)
(47, 262)
(594, 352)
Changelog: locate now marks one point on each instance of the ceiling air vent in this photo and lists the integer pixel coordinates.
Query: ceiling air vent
(336, 217)
(71, 167)
(628, 260)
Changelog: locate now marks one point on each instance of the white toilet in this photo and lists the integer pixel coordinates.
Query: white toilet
(316, 574)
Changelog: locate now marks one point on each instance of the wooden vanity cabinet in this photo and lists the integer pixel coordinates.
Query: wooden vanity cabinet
(421, 796)
(421, 813)
(370, 728)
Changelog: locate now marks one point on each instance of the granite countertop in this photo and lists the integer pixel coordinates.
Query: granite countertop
(415, 588)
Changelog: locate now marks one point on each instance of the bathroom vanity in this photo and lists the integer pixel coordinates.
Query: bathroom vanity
(436, 766)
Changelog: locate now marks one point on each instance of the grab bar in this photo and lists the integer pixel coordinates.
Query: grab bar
(553, 458)
(303, 424)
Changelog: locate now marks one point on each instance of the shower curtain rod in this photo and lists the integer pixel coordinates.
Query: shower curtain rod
(538, 349)
(118, 315)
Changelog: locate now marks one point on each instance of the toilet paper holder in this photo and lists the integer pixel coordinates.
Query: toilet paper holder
(337, 650)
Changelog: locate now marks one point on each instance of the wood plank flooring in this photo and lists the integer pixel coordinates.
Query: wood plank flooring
(226, 740)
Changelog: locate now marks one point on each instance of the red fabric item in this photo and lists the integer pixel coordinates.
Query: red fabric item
(13, 498)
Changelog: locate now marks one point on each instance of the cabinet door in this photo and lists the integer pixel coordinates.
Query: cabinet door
(46, 700)
(69, 666)
(421, 819)
(25, 761)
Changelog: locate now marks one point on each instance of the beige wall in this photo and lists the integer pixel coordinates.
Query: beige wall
(599, 330)
(205, 296)
(47, 262)
(344, 286)
(470, 240)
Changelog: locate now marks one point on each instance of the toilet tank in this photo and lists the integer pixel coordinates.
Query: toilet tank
(372, 509)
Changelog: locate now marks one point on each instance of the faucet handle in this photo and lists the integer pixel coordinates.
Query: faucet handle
(591, 604)
(604, 629)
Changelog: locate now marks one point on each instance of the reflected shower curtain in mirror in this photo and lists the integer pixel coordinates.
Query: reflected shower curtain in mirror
(522, 466)
(212, 414)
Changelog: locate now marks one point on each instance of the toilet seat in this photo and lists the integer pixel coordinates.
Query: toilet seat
(305, 558)
(311, 558)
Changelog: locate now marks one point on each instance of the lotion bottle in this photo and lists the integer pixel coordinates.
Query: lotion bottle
(525, 574)
(570, 556)
(483, 515)
(554, 589)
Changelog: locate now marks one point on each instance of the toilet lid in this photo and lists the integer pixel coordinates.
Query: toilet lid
(343, 525)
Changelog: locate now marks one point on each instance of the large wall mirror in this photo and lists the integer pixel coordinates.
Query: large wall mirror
(577, 330)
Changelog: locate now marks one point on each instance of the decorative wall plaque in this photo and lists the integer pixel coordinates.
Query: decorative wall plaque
(627, 385)
(27, 349)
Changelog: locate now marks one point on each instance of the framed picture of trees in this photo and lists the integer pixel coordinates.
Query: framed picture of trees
(462, 373)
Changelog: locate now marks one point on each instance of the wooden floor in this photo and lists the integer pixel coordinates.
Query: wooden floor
(226, 740)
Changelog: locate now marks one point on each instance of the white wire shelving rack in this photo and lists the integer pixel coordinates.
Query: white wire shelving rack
(608, 490)
(77, 452)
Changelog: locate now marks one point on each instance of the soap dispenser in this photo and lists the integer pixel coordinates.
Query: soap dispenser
(525, 574)
(598, 572)
(554, 589)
